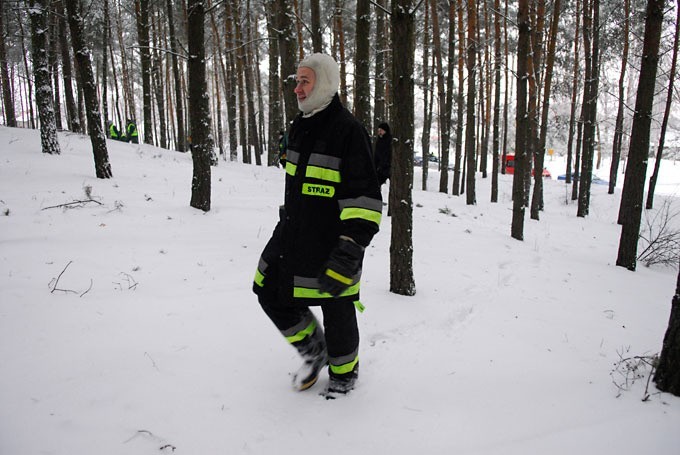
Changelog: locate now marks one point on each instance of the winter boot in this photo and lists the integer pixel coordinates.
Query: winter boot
(341, 384)
(313, 352)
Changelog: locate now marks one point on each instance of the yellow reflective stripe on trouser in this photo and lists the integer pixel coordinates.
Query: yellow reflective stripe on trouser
(301, 334)
(314, 293)
(343, 368)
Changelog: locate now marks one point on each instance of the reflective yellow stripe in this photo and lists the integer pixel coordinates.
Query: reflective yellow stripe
(291, 168)
(336, 276)
(364, 214)
(310, 293)
(259, 278)
(345, 368)
(359, 306)
(323, 174)
(302, 333)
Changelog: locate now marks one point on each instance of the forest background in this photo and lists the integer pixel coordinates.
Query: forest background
(465, 81)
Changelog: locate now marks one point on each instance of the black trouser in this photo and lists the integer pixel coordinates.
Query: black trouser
(340, 326)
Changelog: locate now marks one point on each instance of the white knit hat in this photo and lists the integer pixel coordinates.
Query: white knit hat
(326, 85)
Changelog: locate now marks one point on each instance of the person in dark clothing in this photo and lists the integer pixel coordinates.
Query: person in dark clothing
(131, 132)
(383, 153)
(331, 212)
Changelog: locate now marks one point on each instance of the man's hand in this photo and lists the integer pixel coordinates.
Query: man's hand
(342, 266)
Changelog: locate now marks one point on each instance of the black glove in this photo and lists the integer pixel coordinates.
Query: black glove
(342, 266)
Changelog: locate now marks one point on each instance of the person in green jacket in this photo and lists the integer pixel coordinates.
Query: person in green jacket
(131, 131)
(114, 133)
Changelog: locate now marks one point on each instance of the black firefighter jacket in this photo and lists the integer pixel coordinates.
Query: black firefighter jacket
(331, 190)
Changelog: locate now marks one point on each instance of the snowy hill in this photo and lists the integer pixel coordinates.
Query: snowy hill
(127, 324)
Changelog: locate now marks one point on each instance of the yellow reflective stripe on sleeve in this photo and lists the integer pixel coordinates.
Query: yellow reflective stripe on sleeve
(302, 333)
(291, 168)
(344, 368)
(259, 278)
(336, 276)
(323, 174)
(364, 214)
(359, 306)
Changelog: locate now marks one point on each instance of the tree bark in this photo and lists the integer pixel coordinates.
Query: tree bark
(618, 127)
(179, 94)
(497, 100)
(362, 88)
(666, 115)
(142, 12)
(87, 82)
(401, 182)
(460, 102)
(8, 101)
(667, 376)
(634, 181)
(39, 12)
(275, 104)
(470, 143)
(199, 108)
(288, 49)
(539, 156)
(522, 122)
(317, 36)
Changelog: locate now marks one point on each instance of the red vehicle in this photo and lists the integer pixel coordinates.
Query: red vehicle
(510, 167)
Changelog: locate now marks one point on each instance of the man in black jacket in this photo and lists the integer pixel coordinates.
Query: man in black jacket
(332, 211)
(383, 153)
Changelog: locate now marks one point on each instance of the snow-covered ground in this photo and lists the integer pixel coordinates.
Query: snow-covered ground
(127, 325)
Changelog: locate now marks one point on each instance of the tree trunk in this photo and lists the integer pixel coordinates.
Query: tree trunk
(574, 93)
(39, 13)
(471, 96)
(522, 122)
(288, 49)
(199, 107)
(158, 85)
(401, 182)
(618, 128)
(142, 12)
(8, 101)
(72, 118)
(537, 197)
(231, 81)
(460, 102)
(339, 33)
(667, 111)
(24, 53)
(105, 69)
(441, 91)
(275, 107)
(362, 88)
(427, 98)
(381, 50)
(317, 36)
(634, 181)
(667, 376)
(497, 99)
(87, 82)
(586, 172)
(179, 94)
(251, 91)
